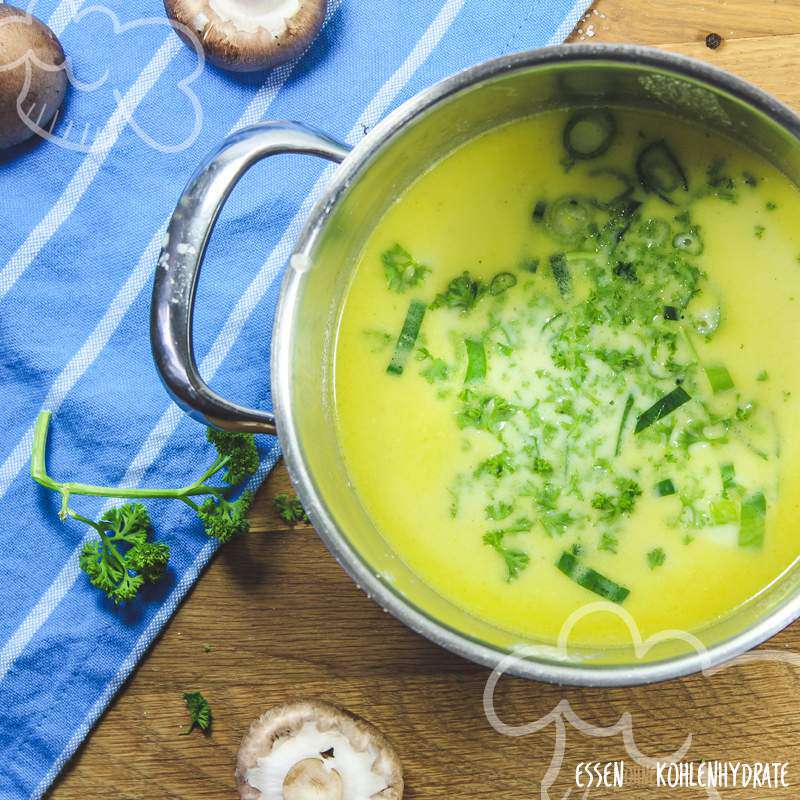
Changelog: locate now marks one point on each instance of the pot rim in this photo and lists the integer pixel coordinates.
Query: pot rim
(578, 674)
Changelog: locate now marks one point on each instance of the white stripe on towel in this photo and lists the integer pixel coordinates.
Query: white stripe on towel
(104, 142)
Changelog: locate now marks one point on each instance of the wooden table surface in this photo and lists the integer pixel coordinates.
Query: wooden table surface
(284, 620)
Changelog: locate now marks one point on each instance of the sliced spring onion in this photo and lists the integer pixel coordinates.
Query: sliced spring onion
(625, 413)
(568, 219)
(723, 511)
(589, 134)
(501, 282)
(539, 210)
(666, 405)
(719, 378)
(476, 361)
(671, 313)
(407, 338)
(660, 172)
(625, 185)
(751, 525)
(707, 320)
(728, 474)
(591, 579)
(688, 241)
(665, 488)
(560, 270)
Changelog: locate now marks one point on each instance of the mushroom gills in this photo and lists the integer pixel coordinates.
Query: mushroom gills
(355, 767)
(250, 15)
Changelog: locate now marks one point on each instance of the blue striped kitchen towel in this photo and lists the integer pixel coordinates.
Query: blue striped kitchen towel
(83, 217)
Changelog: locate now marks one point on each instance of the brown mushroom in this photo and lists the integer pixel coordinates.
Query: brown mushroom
(248, 35)
(312, 750)
(33, 80)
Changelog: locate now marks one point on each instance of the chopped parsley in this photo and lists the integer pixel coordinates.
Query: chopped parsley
(401, 269)
(199, 712)
(289, 508)
(656, 557)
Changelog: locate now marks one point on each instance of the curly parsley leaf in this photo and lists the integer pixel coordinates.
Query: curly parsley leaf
(290, 509)
(199, 712)
(124, 558)
(402, 270)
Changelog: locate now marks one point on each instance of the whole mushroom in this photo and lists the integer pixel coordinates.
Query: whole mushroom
(33, 80)
(248, 35)
(312, 750)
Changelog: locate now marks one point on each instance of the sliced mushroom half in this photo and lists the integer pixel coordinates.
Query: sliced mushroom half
(249, 35)
(312, 750)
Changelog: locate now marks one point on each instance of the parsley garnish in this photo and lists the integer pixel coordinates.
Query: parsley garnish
(656, 557)
(462, 293)
(402, 270)
(199, 712)
(290, 509)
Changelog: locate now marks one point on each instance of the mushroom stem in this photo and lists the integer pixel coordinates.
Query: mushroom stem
(310, 779)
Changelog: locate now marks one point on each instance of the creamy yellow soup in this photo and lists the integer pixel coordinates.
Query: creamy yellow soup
(565, 372)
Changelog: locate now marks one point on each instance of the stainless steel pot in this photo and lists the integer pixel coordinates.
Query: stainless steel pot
(368, 180)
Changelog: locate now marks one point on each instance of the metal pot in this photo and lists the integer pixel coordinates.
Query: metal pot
(368, 180)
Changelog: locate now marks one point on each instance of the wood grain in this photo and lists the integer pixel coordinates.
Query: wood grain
(283, 620)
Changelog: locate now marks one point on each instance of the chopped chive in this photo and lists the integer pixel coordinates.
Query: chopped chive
(728, 474)
(762, 376)
(538, 211)
(625, 413)
(501, 282)
(661, 408)
(752, 523)
(656, 557)
(476, 361)
(671, 313)
(560, 270)
(408, 337)
(719, 378)
(665, 488)
(591, 579)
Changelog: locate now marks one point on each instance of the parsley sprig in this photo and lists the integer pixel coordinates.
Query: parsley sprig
(124, 556)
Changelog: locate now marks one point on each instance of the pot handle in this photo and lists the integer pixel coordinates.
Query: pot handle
(178, 269)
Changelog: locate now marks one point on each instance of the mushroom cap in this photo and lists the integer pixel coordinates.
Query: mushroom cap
(31, 71)
(232, 37)
(288, 721)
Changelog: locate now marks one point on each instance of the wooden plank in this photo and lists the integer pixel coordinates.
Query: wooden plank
(656, 22)
(284, 620)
